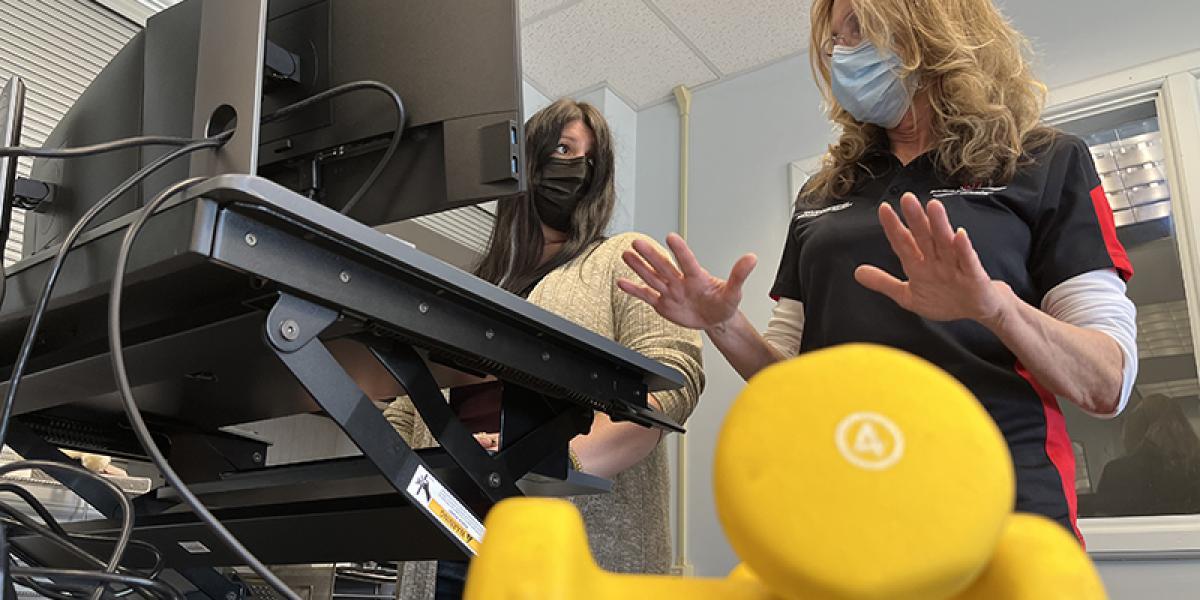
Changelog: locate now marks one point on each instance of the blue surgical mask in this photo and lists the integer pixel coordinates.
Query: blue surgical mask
(866, 83)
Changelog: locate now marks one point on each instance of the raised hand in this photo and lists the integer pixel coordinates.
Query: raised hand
(945, 278)
(688, 295)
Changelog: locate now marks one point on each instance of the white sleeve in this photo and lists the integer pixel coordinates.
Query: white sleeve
(1096, 300)
(785, 327)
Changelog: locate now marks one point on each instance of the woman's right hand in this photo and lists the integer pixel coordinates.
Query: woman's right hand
(689, 295)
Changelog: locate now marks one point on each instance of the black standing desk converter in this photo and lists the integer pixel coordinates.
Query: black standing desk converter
(232, 293)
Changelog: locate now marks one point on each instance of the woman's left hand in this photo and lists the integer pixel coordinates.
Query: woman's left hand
(945, 278)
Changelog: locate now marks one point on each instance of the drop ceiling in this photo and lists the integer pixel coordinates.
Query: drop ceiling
(641, 49)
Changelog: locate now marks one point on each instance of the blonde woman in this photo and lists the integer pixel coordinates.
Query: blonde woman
(550, 247)
(1005, 271)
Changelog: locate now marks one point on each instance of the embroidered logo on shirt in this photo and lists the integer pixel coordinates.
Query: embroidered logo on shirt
(967, 190)
(808, 214)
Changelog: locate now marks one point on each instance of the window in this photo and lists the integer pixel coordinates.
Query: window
(1147, 461)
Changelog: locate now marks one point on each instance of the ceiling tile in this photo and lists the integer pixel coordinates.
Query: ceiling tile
(619, 42)
(532, 9)
(736, 36)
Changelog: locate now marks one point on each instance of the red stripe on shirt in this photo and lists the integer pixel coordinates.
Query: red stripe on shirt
(1058, 445)
(1116, 251)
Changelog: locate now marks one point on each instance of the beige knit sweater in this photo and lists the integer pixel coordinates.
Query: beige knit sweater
(628, 529)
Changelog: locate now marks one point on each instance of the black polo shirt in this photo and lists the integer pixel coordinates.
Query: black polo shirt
(1051, 223)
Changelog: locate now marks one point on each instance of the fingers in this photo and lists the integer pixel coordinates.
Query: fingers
(641, 292)
(942, 232)
(683, 255)
(666, 270)
(918, 224)
(967, 258)
(648, 274)
(900, 238)
(878, 280)
(741, 270)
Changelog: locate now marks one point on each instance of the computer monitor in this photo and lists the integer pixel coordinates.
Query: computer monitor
(456, 65)
(12, 106)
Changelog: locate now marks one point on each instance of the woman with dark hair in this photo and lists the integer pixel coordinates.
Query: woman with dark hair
(550, 247)
(1158, 474)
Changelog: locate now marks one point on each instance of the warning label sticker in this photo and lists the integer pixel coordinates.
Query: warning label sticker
(429, 493)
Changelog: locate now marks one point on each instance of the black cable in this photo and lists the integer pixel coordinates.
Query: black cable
(80, 151)
(60, 541)
(126, 513)
(43, 300)
(194, 145)
(64, 590)
(34, 504)
(60, 589)
(161, 589)
(159, 559)
(135, 416)
(191, 146)
(401, 118)
(77, 152)
(72, 236)
(101, 148)
(66, 542)
(56, 528)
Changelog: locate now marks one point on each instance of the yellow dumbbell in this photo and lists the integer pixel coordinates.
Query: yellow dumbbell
(536, 549)
(857, 472)
(862, 472)
(1037, 559)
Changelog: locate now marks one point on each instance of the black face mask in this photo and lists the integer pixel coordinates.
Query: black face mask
(559, 189)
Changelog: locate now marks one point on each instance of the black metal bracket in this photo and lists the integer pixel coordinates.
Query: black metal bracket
(492, 476)
(281, 66)
(31, 194)
(533, 430)
(203, 456)
(292, 327)
(212, 584)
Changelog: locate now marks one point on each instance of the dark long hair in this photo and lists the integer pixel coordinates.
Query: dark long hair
(515, 247)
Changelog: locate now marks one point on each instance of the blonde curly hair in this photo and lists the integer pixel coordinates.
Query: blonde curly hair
(973, 68)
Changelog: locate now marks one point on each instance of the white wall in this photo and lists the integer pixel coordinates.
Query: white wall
(623, 122)
(746, 130)
(532, 99)
(743, 134)
(1076, 40)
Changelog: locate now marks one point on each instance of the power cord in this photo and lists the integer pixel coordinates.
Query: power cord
(126, 516)
(159, 588)
(142, 432)
(77, 152)
(397, 135)
(101, 148)
(39, 310)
